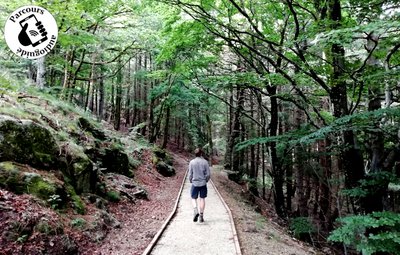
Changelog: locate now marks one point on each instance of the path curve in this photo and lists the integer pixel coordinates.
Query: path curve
(216, 236)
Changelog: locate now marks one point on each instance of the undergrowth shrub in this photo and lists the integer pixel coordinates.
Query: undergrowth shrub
(301, 227)
(371, 233)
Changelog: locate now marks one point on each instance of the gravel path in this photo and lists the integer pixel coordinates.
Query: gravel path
(183, 236)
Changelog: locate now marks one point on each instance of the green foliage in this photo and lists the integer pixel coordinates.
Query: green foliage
(113, 196)
(49, 226)
(43, 227)
(22, 239)
(75, 200)
(371, 184)
(300, 226)
(54, 201)
(371, 233)
(363, 121)
(78, 223)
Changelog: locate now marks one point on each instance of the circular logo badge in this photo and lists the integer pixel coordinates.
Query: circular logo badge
(31, 32)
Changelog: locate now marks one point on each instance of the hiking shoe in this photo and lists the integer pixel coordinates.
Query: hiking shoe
(201, 218)
(196, 215)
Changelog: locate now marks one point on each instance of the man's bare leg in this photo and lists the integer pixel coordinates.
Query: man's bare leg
(195, 211)
(202, 205)
(194, 203)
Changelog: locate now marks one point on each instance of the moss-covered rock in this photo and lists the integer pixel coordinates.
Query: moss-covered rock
(18, 180)
(163, 162)
(86, 125)
(162, 155)
(78, 168)
(11, 178)
(39, 187)
(116, 161)
(25, 141)
(75, 200)
(164, 169)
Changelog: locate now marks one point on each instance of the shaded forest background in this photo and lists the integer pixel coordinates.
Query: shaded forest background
(301, 97)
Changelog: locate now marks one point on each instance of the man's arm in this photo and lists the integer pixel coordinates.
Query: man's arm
(190, 172)
(207, 172)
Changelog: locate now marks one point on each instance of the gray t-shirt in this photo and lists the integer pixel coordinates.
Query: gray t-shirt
(199, 172)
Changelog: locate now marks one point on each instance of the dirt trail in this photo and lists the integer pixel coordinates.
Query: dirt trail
(141, 221)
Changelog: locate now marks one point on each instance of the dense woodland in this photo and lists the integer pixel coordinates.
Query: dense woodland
(298, 99)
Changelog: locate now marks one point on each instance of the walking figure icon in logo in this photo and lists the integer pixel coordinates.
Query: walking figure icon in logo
(33, 32)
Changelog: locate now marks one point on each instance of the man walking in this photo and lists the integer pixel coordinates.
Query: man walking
(199, 175)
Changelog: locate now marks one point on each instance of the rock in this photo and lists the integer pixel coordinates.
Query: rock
(79, 168)
(101, 225)
(162, 155)
(27, 142)
(164, 169)
(11, 178)
(116, 161)
(235, 176)
(40, 187)
(109, 220)
(14, 178)
(163, 162)
(76, 201)
(86, 125)
(62, 244)
(98, 201)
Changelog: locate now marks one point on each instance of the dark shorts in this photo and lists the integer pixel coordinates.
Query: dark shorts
(195, 191)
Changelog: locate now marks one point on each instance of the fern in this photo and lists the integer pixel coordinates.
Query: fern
(371, 233)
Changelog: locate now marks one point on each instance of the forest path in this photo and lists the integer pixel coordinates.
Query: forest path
(215, 236)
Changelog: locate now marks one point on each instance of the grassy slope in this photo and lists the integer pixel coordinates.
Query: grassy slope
(28, 222)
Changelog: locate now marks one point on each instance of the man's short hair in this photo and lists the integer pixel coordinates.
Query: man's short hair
(198, 152)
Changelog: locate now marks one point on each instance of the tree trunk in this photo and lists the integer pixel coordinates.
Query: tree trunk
(377, 193)
(235, 135)
(128, 97)
(166, 128)
(67, 87)
(230, 118)
(101, 99)
(118, 99)
(41, 73)
(278, 175)
(210, 139)
(135, 95)
(253, 173)
(351, 157)
(299, 169)
(144, 110)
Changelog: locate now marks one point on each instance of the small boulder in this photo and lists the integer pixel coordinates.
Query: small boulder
(27, 142)
(164, 169)
(116, 161)
(86, 125)
(78, 168)
(162, 155)
(19, 180)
